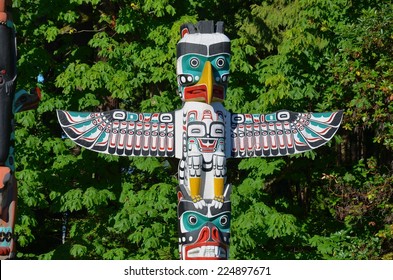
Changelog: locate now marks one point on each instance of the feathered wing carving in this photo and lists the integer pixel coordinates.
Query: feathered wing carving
(281, 133)
(121, 133)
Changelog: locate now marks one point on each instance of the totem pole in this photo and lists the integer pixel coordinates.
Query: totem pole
(10, 103)
(202, 135)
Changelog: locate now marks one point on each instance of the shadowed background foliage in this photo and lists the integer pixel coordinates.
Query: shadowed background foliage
(302, 55)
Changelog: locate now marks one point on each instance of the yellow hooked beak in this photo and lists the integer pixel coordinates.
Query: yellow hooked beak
(207, 79)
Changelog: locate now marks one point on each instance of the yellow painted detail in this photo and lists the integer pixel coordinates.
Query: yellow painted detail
(207, 79)
(218, 187)
(195, 186)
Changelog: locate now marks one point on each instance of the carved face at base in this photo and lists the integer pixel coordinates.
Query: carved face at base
(203, 233)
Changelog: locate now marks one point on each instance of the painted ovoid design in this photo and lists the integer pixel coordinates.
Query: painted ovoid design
(10, 103)
(202, 135)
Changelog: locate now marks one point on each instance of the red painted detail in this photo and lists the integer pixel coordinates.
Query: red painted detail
(179, 196)
(207, 237)
(207, 115)
(38, 91)
(218, 93)
(4, 251)
(207, 145)
(199, 93)
(184, 32)
(196, 93)
(5, 172)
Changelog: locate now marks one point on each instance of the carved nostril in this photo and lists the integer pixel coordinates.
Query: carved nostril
(215, 234)
(204, 235)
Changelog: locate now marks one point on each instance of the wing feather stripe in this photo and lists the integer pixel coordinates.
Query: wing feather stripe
(121, 133)
(281, 133)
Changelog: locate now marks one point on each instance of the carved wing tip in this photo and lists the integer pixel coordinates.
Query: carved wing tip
(338, 118)
(60, 116)
(341, 114)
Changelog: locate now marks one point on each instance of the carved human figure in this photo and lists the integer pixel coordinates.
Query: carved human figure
(202, 135)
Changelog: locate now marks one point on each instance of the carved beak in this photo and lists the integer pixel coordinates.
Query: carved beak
(207, 80)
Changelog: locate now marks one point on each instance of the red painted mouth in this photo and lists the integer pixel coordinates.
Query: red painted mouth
(207, 145)
(199, 93)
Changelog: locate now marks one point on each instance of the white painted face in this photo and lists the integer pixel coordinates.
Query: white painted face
(205, 133)
(203, 67)
(203, 44)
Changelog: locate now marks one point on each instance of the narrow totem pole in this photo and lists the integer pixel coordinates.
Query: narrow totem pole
(10, 103)
(202, 135)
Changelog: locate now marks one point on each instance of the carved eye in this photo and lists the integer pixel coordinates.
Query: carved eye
(224, 220)
(194, 62)
(217, 130)
(220, 62)
(283, 116)
(196, 130)
(192, 220)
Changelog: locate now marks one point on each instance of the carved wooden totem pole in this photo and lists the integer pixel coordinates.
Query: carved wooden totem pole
(202, 135)
(10, 103)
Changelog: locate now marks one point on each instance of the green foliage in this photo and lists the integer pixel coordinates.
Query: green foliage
(302, 55)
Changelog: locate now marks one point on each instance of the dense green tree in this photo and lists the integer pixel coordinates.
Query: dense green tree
(303, 55)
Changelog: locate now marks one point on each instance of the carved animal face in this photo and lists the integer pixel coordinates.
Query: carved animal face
(203, 57)
(203, 233)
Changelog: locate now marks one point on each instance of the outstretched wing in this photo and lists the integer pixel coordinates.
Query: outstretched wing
(121, 133)
(281, 133)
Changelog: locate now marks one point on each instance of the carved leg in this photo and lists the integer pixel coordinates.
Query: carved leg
(194, 164)
(219, 166)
